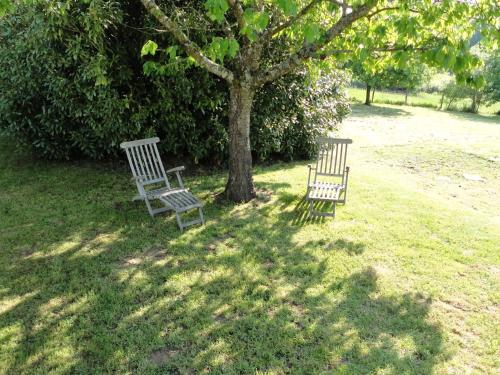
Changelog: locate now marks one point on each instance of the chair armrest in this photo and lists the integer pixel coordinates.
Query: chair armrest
(309, 176)
(176, 169)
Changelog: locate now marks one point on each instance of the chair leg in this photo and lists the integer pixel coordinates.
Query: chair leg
(201, 216)
(148, 205)
(313, 212)
(179, 221)
(344, 197)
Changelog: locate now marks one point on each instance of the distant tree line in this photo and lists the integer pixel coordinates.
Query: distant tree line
(482, 87)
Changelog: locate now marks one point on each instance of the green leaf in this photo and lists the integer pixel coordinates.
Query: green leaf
(449, 61)
(5, 6)
(479, 81)
(332, 6)
(149, 68)
(249, 33)
(256, 21)
(439, 56)
(149, 48)
(216, 9)
(311, 32)
(233, 47)
(289, 7)
(172, 52)
(219, 48)
(261, 21)
(101, 80)
(380, 30)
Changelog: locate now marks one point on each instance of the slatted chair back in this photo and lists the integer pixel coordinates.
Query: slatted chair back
(332, 156)
(145, 162)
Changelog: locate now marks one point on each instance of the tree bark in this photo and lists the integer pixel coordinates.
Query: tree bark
(367, 99)
(442, 101)
(406, 97)
(473, 104)
(239, 186)
(450, 103)
(476, 101)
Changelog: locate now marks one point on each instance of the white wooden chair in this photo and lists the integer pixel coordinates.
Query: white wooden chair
(152, 182)
(330, 175)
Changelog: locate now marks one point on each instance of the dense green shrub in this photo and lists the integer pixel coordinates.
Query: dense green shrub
(290, 115)
(72, 84)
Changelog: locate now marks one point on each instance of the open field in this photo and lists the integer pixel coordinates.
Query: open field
(406, 279)
(421, 99)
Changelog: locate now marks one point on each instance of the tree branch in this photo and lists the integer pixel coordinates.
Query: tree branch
(401, 48)
(387, 48)
(309, 50)
(292, 20)
(189, 46)
(238, 12)
(380, 10)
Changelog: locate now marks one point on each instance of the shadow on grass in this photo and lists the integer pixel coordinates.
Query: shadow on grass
(107, 289)
(362, 111)
(300, 213)
(473, 117)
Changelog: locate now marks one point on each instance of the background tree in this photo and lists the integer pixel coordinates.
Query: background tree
(483, 86)
(453, 92)
(492, 78)
(412, 77)
(412, 74)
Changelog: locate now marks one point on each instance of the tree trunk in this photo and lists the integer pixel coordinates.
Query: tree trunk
(406, 97)
(476, 101)
(367, 99)
(442, 101)
(239, 186)
(450, 103)
(473, 104)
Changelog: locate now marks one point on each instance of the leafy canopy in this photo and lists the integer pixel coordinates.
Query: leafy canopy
(438, 30)
(317, 29)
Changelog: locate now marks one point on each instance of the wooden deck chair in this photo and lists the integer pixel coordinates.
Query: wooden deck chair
(148, 172)
(329, 183)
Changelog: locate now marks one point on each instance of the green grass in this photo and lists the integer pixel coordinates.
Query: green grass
(421, 99)
(404, 281)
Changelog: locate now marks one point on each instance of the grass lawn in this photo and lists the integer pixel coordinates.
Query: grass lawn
(421, 99)
(406, 279)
